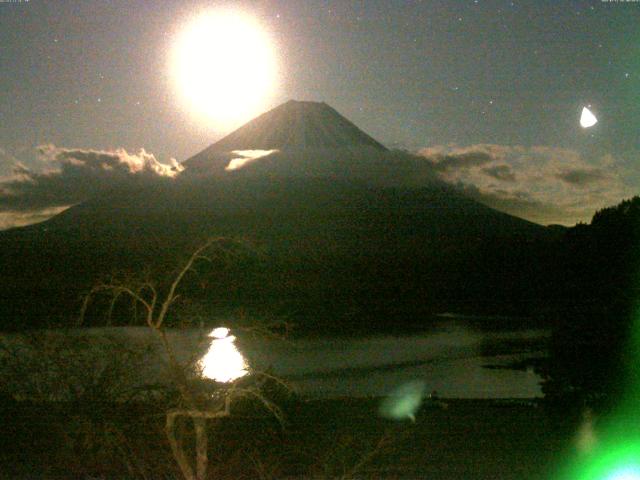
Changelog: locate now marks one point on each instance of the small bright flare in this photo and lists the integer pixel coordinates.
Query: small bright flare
(223, 362)
(587, 119)
(224, 66)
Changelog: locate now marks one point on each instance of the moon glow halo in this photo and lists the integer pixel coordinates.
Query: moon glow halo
(224, 67)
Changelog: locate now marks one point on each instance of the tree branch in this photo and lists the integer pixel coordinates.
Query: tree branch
(171, 296)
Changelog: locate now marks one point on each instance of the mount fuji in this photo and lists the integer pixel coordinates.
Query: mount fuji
(349, 234)
(294, 125)
(310, 132)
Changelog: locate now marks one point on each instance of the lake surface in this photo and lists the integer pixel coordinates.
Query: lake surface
(452, 358)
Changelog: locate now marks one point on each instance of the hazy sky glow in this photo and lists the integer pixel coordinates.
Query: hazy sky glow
(507, 78)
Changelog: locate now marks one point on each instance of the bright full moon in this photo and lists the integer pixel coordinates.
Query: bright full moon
(224, 66)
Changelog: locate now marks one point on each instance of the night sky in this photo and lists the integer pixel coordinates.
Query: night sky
(497, 80)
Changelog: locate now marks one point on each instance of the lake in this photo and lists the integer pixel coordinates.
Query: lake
(457, 358)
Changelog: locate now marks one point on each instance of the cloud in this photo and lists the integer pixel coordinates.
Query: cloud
(11, 219)
(6, 162)
(73, 175)
(360, 164)
(540, 183)
(463, 161)
(500, 172)
(582, 177)
(520, 203)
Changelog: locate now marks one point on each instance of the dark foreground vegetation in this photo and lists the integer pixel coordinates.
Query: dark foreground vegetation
(343, 438)
(596, 343)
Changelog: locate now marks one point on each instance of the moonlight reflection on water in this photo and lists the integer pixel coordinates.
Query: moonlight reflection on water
(223, 362)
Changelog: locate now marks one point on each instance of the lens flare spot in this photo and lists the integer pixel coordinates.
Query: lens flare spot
(404, 402)
(587, 119)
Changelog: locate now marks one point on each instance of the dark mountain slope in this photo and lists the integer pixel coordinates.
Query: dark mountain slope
(327, 247)
(339, 243)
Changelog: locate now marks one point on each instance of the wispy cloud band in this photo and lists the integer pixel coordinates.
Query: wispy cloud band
(541, 183)
(71, 176)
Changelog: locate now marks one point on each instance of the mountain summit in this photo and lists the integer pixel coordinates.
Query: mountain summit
(292, 126)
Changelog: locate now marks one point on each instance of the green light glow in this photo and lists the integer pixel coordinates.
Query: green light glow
(610, 462)
(631, 473)
(404, 402)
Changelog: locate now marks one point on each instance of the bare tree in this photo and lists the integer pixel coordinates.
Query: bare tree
(201, 399)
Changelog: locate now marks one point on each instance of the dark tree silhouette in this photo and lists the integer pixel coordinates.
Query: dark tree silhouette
(594, 346)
